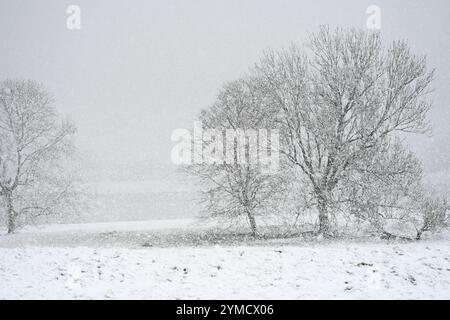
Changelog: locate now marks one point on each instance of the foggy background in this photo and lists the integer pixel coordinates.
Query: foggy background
(137, 70)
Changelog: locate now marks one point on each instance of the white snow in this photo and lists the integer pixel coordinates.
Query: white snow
(344, 270)
(144, 225)
(135, 186)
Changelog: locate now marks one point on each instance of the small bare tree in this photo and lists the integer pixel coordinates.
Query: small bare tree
(34, 147)
(433, 215)
(243, 186)
(339, 101)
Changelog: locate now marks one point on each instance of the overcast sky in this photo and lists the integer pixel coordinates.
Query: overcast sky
(137, 70)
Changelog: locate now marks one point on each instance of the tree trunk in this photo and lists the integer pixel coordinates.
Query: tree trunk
(252, 221)
(11, 216)
(419, 235)
(324, 223)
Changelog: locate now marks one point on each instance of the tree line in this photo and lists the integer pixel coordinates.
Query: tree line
(343, 103)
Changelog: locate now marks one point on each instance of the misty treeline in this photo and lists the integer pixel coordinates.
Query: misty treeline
(343, 103)
(35, 151)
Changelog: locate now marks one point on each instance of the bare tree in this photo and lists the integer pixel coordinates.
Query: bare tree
(243, 186)
(34, 146)
(340, 102)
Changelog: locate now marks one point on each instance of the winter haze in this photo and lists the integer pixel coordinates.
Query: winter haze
(136, 71)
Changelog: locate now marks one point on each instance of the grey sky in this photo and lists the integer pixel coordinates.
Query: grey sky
(139, 69)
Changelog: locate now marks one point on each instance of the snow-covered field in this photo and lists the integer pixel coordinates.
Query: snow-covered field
(257, 270)
(98, 227)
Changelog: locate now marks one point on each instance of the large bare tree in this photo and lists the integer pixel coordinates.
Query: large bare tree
(34, 144)
(341, 101)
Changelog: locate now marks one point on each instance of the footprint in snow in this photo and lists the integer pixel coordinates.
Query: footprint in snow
(364, 264)
(412, 279)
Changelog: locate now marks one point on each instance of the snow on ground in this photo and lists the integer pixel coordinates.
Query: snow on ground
(313, 270)
(116, 226)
